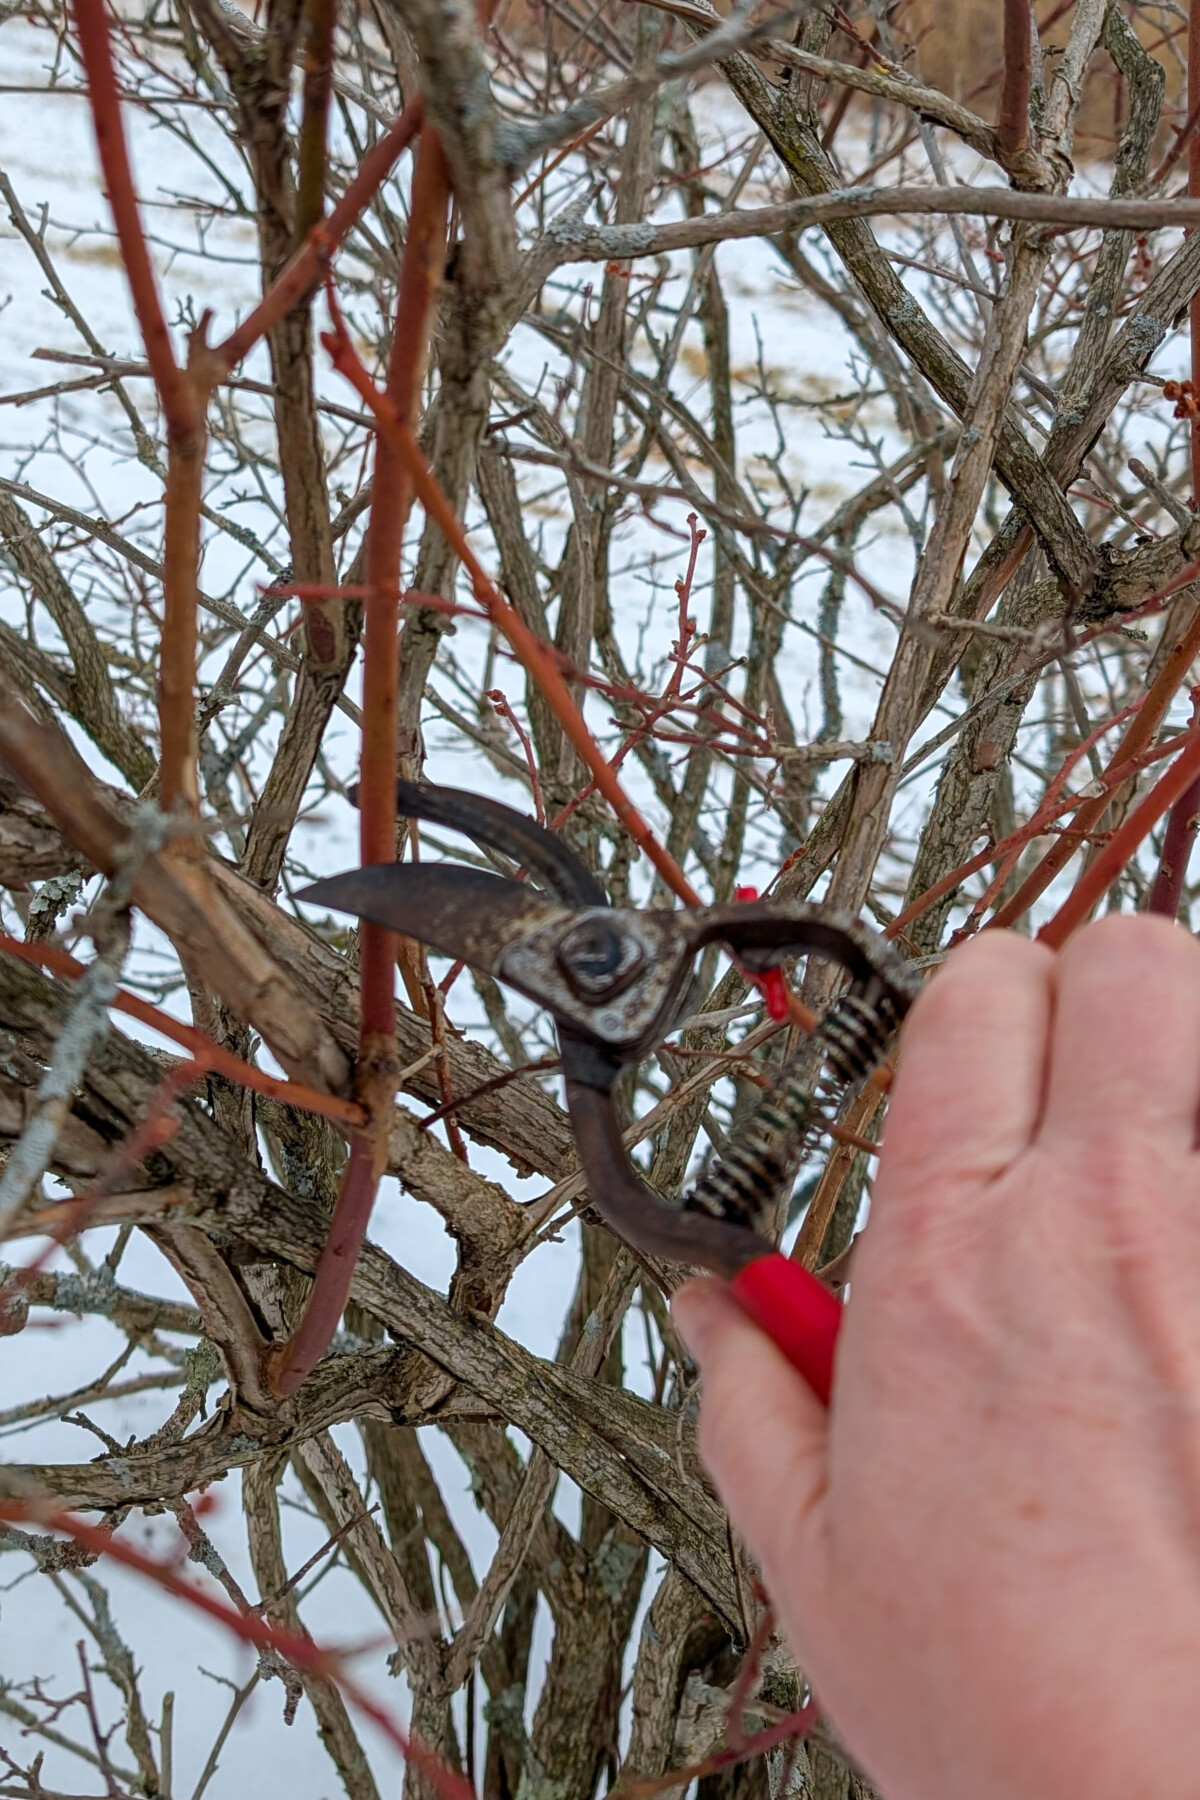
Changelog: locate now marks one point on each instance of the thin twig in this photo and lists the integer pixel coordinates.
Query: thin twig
(1178, 839)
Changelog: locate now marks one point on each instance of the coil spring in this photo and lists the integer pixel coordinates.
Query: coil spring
(747, 1178)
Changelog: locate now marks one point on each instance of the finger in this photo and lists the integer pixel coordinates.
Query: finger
(763, 1432)
(968, 1092)
(1125, 1048)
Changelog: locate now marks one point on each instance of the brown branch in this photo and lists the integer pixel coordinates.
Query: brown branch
(93, 699)
(219, 1060)
(226, 1313)
(1012, 124)
(875, 785)
(597, 244)
(321, 18)
(178, 896)
(303, 273)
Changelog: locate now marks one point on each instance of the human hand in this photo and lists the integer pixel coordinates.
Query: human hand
(986, 1555)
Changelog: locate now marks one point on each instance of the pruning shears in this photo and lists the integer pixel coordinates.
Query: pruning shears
(616, 980)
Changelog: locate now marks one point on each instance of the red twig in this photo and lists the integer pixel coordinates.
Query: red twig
(1180, 835)
(687, 625)
(303, 272)
(1182, 774)
(91, 26)
(500, 705)
(155, 1128)
(1041, 821)
(203, 1049)
(293, 1361)
(576, 143)
(530, 651)
(735, 1725)
(1008, 859)
(296, 1646)
(183, 395)
(796, 1725)
(489, 1087)
(1012, 124)
(1138, 735)
(391, 497)
(994, 74)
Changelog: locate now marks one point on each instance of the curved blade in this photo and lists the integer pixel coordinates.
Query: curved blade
(463, 913)
(548, 858)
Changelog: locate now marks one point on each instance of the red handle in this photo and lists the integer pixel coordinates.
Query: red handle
(792, 1307)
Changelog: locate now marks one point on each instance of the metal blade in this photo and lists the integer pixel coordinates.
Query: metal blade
(462, 912)
(548, 858)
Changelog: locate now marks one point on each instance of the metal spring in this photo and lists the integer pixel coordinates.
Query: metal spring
(747, 1178)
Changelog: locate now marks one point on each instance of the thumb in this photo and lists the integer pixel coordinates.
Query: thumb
(763, 1432)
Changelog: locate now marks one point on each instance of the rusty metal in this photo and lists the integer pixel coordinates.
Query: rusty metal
(616, 981)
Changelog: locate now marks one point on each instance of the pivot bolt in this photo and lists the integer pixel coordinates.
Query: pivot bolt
(598, 960)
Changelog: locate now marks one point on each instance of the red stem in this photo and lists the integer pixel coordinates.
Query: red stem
(1121, 846)
(294, 1361)
(995, 73)
(91, 26)
(1180, 835)
(534, 656)
(576, 143)
(179, 789)
(318, 85)
(1009, 859)
(304, 270)
(500, 705)
(391, 498)
(182, 398)
(220, 1061)
(1137, 737)
(296, 1646)
(1042, 819)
